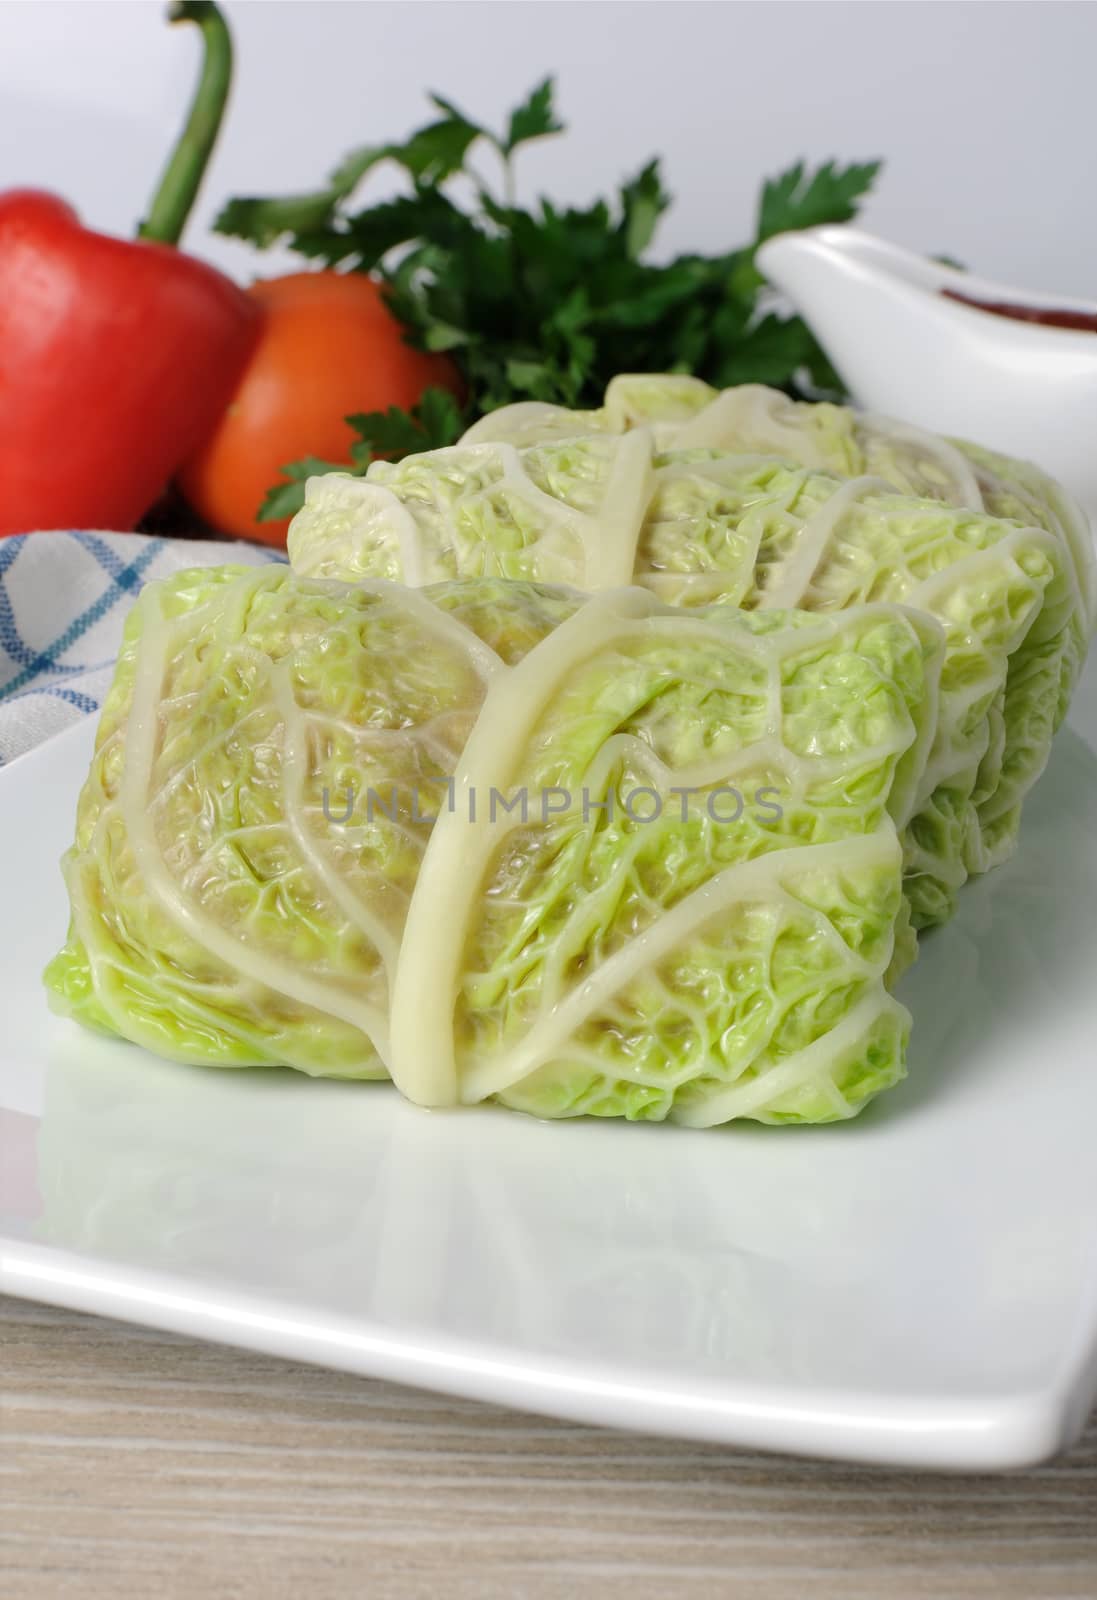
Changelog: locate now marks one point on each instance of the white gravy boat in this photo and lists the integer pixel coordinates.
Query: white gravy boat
(905, 350)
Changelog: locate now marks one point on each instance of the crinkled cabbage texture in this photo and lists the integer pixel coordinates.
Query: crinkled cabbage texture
(685, 413)
(698, 525)
(287, 852)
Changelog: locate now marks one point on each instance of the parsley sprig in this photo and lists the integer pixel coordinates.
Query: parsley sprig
(544, 302)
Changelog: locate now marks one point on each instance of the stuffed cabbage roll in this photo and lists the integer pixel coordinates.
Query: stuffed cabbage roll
(699, 526)
(686, 413)
(505, 841)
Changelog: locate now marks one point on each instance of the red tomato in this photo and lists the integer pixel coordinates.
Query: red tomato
(329, 346)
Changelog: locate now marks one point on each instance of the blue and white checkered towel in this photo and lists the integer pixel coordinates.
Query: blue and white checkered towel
(63, 600)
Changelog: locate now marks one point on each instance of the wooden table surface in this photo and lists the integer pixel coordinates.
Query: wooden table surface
(137, 1464)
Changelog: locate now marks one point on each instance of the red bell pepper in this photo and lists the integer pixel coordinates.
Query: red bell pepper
(116, 357)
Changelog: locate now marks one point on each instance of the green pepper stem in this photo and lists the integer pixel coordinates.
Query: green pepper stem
(186, 167)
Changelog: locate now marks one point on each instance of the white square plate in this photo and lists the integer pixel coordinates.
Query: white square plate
(916, 1287)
